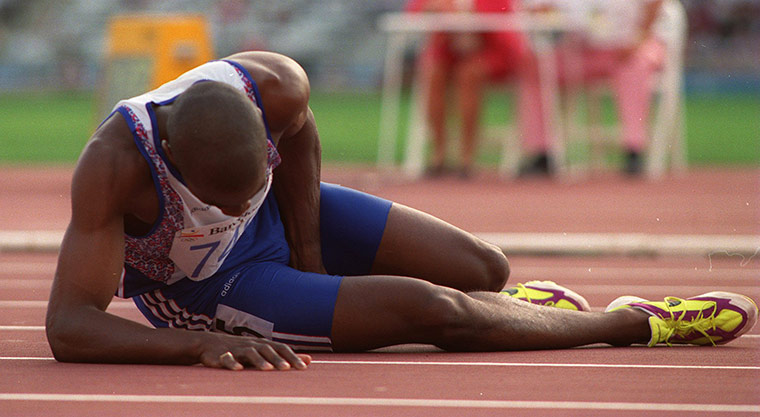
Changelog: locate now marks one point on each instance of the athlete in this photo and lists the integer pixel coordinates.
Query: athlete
(202, 201)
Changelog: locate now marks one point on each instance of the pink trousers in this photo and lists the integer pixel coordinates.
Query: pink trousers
(631, 74)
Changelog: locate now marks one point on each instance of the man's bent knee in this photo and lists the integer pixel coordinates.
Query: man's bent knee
(495, 267)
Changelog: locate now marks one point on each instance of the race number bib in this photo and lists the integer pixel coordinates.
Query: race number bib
(200, 251)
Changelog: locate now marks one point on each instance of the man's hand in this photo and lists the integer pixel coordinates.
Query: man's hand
(238, 352)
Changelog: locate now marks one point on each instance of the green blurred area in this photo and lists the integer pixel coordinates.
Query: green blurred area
(54, 127)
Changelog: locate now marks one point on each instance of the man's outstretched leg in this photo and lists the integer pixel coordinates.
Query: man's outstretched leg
(379, 311)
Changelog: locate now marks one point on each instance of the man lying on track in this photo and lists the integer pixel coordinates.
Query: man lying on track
(202, 202)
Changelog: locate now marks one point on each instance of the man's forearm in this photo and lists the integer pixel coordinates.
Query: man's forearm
(88, 335)
(296, 185)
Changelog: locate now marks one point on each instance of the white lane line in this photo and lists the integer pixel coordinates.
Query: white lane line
(538, 365)
(42, 328)
(381, 402)
(25, 284)
(118, 304)
(682, 289)
(25, 358)
(23, 304)
(31, 267)
(747, 246)
(701, 268)
(23, 328)
(491, 364)
(700, 271)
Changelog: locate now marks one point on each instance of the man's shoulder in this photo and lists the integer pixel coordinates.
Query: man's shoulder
(282, 83)
(264, 66)
(113, 136)
(111, 155)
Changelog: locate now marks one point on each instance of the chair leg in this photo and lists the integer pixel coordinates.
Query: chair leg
(417, 132)
(596, 129)
(511, 151)
(667, 133)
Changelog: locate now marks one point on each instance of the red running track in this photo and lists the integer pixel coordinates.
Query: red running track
(420, 380)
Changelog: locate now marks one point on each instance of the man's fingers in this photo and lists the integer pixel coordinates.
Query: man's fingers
(227, 360)
(252, 356)
(306, 359)
(291, 358)
(277, 356)
(263, 355)
(274, 357)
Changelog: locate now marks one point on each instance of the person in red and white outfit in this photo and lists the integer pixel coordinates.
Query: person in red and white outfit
(466, 61)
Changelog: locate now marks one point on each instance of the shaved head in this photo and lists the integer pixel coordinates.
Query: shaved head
(217, 137)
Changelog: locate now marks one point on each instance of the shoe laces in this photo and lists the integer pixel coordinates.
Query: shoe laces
(514, 292)
(526, 292)
(677, 326)
(530, 300)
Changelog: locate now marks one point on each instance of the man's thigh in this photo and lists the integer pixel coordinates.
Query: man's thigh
(366, 235)
(280, 303)
(352, 224)
(416, 244)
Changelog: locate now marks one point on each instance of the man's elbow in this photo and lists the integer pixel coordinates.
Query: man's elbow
(60, 338)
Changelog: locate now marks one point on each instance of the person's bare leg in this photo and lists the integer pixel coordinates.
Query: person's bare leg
(378, 311)
(416, 244)
(470, 78)
(438, 74)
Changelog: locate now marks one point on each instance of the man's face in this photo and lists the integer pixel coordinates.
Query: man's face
(232, 203)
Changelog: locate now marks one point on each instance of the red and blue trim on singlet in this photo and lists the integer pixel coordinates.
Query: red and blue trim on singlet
(147, 265)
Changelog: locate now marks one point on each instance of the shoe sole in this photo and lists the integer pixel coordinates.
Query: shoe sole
(550, 286)
(621, 301)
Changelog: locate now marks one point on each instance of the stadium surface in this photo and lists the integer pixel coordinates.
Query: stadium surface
(421, 380)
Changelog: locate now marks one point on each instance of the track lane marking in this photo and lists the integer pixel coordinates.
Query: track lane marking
(382, 402)
(700, 266)
(483, 364)
(42, 328)
(44, 304)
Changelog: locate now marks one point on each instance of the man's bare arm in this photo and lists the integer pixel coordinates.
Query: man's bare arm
(297, 188)
(285, 93)
(89, 269)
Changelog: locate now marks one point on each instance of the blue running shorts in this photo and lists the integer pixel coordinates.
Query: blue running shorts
(257, 293)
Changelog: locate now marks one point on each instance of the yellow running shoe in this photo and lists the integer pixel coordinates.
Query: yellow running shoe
(549, 294)
(714, 318)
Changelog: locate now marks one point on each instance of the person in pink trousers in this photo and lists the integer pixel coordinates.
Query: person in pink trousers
(621, 44)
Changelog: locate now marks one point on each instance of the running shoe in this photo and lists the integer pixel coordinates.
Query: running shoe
(549, 294)
(714, 318)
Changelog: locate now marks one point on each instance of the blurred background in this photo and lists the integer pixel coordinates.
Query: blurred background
(52, 56)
